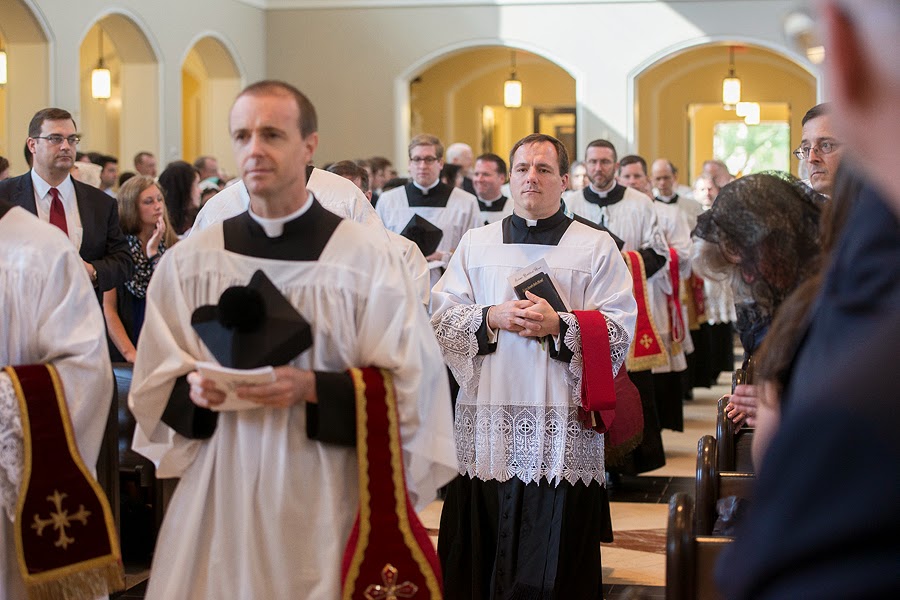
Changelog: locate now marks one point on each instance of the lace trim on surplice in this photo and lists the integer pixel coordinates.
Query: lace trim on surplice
(527, 442)
(618, 349)
(11, 447)
(455, 330)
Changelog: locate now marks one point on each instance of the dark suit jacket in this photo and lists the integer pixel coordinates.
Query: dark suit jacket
(103, 243)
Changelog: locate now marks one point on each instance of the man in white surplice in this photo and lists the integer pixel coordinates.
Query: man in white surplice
(449, 208)
(527, 513)
(50, 315)
(267, 496)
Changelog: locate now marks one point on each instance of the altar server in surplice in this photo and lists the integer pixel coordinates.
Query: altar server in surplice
(267, 496)
(527, 513)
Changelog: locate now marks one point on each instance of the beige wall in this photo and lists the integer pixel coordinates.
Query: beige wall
(355, 64)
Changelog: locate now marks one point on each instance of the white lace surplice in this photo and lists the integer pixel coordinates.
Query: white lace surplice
(517, 410)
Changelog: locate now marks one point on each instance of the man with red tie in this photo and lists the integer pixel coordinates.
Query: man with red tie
(85, 214)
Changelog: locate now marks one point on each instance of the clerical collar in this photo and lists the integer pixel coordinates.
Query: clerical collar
(436, 196)
(602, 193)
(304, 235)
(425, 190)
(610, 196)
(495, 205)
(668, 199)
(547, 232)
(275, 227)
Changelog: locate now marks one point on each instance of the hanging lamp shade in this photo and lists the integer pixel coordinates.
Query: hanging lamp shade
(101, 80)
(512, 87)
(2, 66)
(512, 93)
(731, 85)
(749, 110)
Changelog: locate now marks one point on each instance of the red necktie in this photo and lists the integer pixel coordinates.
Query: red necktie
(57, 212)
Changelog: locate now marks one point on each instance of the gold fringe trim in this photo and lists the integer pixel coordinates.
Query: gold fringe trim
(615, 456)
(91, 583)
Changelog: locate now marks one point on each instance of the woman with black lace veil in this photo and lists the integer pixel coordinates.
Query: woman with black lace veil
(761, 237)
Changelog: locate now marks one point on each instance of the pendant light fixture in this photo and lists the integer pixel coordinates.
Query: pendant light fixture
(749, 110)
(512, 87)
(2, 65)
(731, 85)
(101, 82)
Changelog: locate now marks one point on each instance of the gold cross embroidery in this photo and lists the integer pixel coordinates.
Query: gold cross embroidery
(60, 520)
(390, 590)
(646, 341)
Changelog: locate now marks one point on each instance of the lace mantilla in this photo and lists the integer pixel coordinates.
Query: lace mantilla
(11, 449)
(455, 330)
(527, 442)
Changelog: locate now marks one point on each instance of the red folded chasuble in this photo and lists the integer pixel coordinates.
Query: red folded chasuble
(647, 350)
(65, 538)
(389, 554)
(676, 317)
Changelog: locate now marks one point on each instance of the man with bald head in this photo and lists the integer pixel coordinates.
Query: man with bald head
(664, 179)
(461, 154)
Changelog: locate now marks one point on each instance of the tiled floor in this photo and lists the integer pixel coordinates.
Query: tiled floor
(634, 564)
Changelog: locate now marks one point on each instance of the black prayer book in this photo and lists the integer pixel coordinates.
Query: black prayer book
(541, 285)
(425, 234)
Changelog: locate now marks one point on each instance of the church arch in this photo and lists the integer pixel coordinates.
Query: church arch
(25, 38)
(666, 88)
(210, 78)
(129, 121)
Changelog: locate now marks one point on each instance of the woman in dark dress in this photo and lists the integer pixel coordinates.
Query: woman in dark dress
(145, 222)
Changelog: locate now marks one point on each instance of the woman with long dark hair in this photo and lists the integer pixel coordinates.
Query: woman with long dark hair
(181, 184)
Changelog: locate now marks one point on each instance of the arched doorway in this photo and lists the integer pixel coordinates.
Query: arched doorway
(459, 98)
(680, 116)
(127, 122)
(210, 80)
(27, 87)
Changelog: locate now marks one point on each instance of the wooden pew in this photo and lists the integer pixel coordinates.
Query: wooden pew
(712, 484)
(134, 469)
(690, 559)
(733, 448)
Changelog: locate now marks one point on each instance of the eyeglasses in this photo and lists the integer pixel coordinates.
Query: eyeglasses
(56, 139)
(428, 160)
(822, 149)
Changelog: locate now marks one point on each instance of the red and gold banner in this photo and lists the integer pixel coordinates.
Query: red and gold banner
(695, 300)
(65, 538)
(676, 317)
(647, 350)
(389, 554)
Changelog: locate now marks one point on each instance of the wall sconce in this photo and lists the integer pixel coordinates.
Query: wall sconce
(748, 110)
(731, 85)
(101, 82)
(512, 87)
